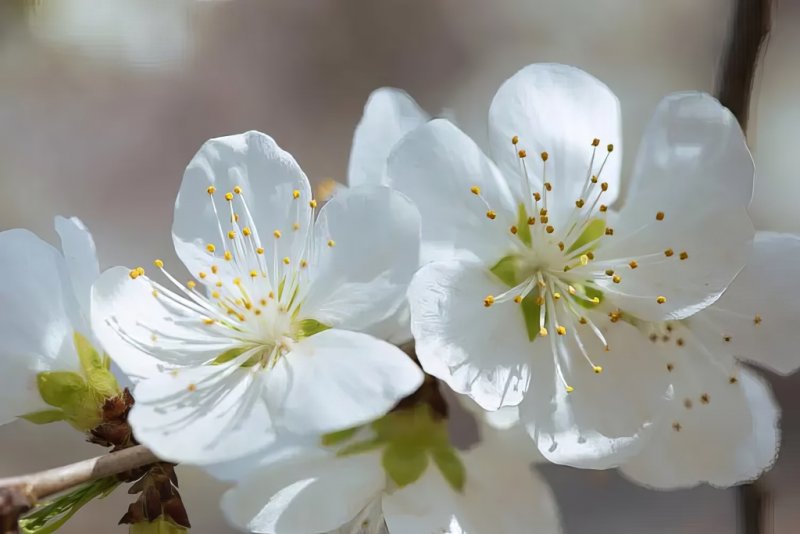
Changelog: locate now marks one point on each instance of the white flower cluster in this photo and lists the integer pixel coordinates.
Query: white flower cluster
(590, 329)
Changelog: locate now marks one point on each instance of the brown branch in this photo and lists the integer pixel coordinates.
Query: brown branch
(751, 23)
(18, 494)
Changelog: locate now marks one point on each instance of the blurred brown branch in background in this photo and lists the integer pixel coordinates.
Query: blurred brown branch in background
(749, 29)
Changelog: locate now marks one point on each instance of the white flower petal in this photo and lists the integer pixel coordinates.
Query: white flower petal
(35, 326)
(307, 495)
(605, 419)
(81, 261)
(715, 432)
(285, 447)
(203, 415)
(367, 249)
(482, 352)
(692, 145)
(338, 379)
(389, 114)
(560, 110)
(142, 332)
(268, 177)
(427, 505)
(755, 319)
(689, 257)
(435, 165)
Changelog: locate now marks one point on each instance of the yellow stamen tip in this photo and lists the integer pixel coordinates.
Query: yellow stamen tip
(159, 264)
(303, 264)
(544, 156)
(610, 148)
(237, 190)
(211, 190)
(228, 256)
(570, 389)
(522, 154)
(597, 369)
(660, 216)
(295, 194)
(296, 226)
(253, 273)
(214, 269)
(286, 260)
(228, 196)
(259, 250)
(231, 235)
(202, 275)
(191, 284)
(595, 142)
(491, 214)
(211, 248)
(584, 259)
(543, 331)
(515, 140)
(518, 299)
(475, 190)
(488, 301)
(277, 234)
(246, 231)
(661, 300)
(313, 204)
(561, 330)
(331, 243)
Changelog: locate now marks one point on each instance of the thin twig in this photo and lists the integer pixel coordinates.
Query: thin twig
(751, 24)
(45, 483)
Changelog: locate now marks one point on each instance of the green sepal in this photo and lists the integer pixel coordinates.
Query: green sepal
(361, 446)
(523, 228)
(87, 355)
(594, 230)
(507, 270)
(404, 464)
(451, 467)
(50, 516)
(158, 526)
(228, 355)
(61, 388)
(335, 438)
(101, 381)
(591, 293)
(309, 327)
(43, 417)
(530, 312)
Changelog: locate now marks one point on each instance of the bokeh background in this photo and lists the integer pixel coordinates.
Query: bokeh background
(102, 104)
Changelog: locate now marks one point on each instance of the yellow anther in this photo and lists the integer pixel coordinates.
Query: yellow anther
(257, 311)
(303, 264)
(549, 229)
(537, 196)
(757, 319)
(522, 154)
(518, 299)
(544, 219)
(214, 269)
(313, 204)
(202, 275)
(683, 255)
(211, 190)
(253, 273)
(475, 190)
(228, 256)
(491, 214)
(259, 250)
(661, 299)
(295, 226)
(136, 273)
(211, 248)
(594, 179)
(543, 331)
(609, 231)
(286, 260)
(597, 369)
(488, 301)
(263, 302)
(246, 231)
(660, 216)
(513, 229)
(237, 190)
(215, 294)
(228, 196)
(603, 208)
(271, 295)
(595, 300)
(616, 279)
(192, 388)
(331, 243)
(531, 221)
(609, 272)
(669, 252)
(571, 290)
(590, 255)
(208, 321)
(604, 186)
(548, 186)
(561, 330)
(231, 235)
(540, 300)
(582, 320)
(544, 156)
(595, 142)
(633, 264)
(235, 217)
(237, 281)
(296, 194)
(561, 245)
(704, 398)
(584, 259)
(579, 203)
(191, 284)
(610, 148)
(515, 140)
(155, 293)
(570, 389)
(277, 234)
(159, 264)
(543, 212)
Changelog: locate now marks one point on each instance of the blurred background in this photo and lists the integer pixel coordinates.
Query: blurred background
(102, 104)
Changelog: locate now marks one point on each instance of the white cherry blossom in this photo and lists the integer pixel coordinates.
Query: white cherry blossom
(536, 286)
(265, 336)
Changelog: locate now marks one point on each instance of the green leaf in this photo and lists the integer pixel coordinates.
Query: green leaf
(50, 516)
(404, 464)
(43, 417)
(309, 327)
(61, 388)
(594, 230)
(451, 467)
(335, 438)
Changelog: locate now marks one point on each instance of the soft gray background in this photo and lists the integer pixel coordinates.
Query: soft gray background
(102, 103)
